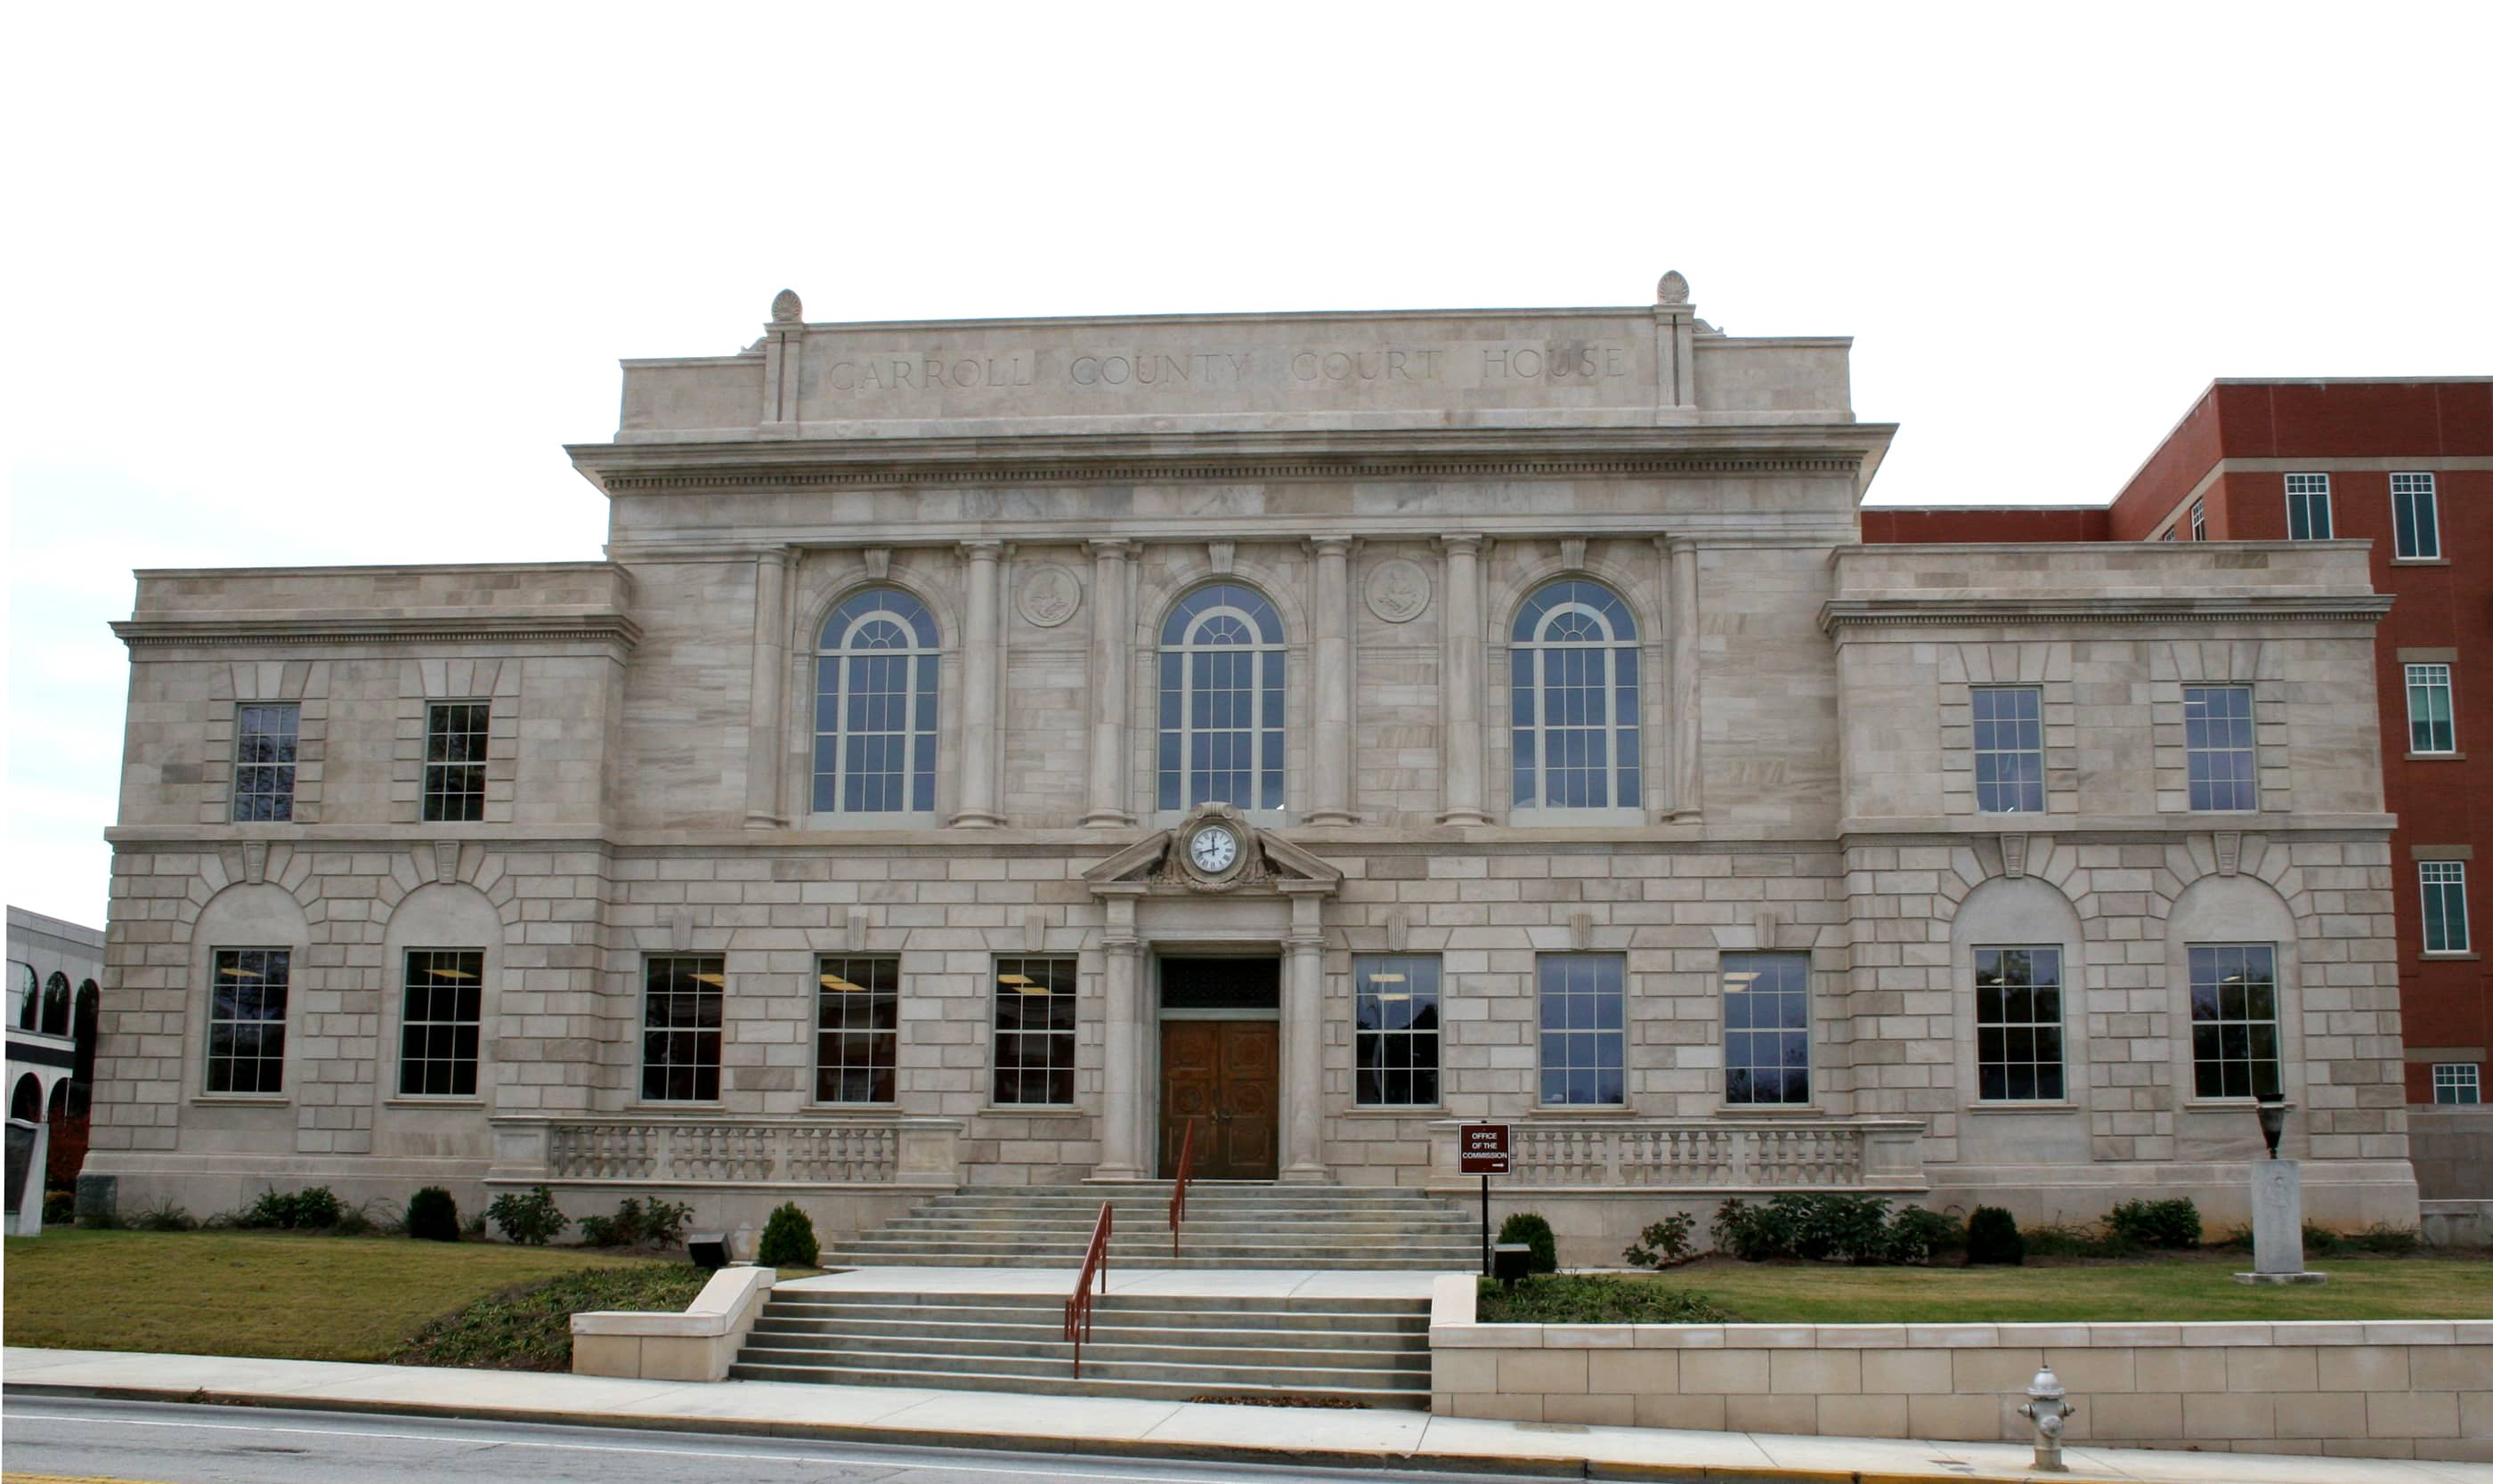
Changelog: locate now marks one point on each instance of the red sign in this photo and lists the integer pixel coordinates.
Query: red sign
(1485, 1150)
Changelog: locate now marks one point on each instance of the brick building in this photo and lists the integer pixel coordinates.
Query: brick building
(989, 748)
(2404, 468)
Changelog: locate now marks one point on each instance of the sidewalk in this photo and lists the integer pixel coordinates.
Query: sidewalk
(1122, 1428)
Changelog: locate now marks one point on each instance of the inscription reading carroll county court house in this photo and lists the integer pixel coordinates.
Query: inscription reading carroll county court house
(1308, 367)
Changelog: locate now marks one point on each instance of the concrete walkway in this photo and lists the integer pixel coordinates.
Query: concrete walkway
(1108, 1426)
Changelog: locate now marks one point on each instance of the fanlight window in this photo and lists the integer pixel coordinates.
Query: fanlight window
(1220, 700)
(873, 706)
(1574, 658)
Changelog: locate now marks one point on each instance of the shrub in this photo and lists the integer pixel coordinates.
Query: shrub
(1753, 1233)
(59, 1206)
(530, 1220)
(2063, 1239)
(1915, 1234)
(161, 1215)
(315, 1207)
(2388, 1241)
(432, 1215)
(659, 1224)
(365, 1219)
(1533, 1231)
(787, 1239)
(1992, 1239)
(1594, 1298)
(1854, 1227)
(2166, 1225)
(1663, 1243)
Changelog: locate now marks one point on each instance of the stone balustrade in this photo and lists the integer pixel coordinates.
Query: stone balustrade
(691, 1150)
(1727, 1154)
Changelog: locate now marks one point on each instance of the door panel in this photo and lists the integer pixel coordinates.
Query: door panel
(1226, 1076)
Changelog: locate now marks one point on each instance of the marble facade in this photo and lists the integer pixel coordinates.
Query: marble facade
(1397, 487)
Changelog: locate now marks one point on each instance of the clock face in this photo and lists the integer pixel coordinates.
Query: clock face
(1213, 849)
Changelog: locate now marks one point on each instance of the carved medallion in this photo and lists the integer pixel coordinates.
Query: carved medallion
(1049, 596)
(1397, 590)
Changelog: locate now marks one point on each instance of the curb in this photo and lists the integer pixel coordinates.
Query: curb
(1521, 1465)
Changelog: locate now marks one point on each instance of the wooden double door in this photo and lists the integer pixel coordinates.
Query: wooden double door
(1224, 1077)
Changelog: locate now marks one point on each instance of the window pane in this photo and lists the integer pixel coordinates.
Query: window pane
(877, 683)
(1033, 1029)
(2234, 1037)
(1575, 707)
(857, 1041)
(1394, 1002)
(247, 1019)
(1768, 1064)
(439, 1019)
(683, 1010)
(264, 757)
(1583, 1044)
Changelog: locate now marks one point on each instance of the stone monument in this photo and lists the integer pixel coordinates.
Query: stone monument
(2277, 1207)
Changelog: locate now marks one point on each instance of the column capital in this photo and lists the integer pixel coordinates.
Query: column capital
(1472, 542)
(1117, 548)
(1125, 946)
(1334, 546)
(984, 551)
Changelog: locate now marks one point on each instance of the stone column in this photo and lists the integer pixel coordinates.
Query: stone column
(1333, 682)
(1460, 623)
(1686, 765)
(1120, 1071)
(765, 746)
(1303, 1044)
(1110, 666)
(982, 663)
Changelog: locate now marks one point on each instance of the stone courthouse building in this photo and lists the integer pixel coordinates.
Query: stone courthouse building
(989, 747)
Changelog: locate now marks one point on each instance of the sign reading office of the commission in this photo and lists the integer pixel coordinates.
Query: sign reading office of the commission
(1487, 1149)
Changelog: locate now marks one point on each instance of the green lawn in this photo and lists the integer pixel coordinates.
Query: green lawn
(256, 1293)
(2194, 1288)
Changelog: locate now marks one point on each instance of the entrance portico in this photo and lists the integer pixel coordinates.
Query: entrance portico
(1210, 884)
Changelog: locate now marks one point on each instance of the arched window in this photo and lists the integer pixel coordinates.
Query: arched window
(26, 1099)
(1220, 700)
(873, 706)
(1575, 699)
(56, 1005)
(30, 995)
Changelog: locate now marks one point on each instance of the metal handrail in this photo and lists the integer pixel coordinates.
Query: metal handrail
(1077, 1309)
(1177, 1197)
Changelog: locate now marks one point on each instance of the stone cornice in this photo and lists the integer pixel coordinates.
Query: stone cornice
(1839, 449)
(323, 629)
(2246, 608)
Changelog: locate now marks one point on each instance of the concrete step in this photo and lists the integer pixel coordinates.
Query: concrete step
(1300, 1262)
(1087, 1384)
(1163, 1347)
(1157, 1307)
(868, 1333)
(1206, 1374)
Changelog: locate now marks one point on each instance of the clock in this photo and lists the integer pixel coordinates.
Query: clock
(1212, 849)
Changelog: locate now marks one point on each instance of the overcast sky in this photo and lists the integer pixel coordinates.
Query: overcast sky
(335, 284)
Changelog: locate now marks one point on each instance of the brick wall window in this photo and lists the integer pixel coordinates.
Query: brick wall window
(441, 1023)
(454, 760)
(265, 738)
(2306, 507)
(1765, 1029)
(2008, 749)
(2017, 1025)
(247, 1019)
(856, 1029)
(1034, 1031)
(683, 1016)
(2445, 906)
(2233, 1020)
(2431, 723)
(1396, 1052)
(2198, 519)
(2416, 509)
(2457, 1083)
(1584, 1029)
(2217, 732)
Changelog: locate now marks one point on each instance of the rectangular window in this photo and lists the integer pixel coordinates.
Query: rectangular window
(454, 760)
(1584, 1029)
(2233, 1020)
(2457, 1083)
(1034, 1031)
(1765, 1029)
(2431, 724)
(2306, 507)
(2008, 749)
(2217, 728)
(2017, 1025)
(1397, 1005)
(2416, 509)
(247, 1019)
(2198, 519)
(2445, 906)
(857, 1030)
(440, 1022)
(264, 747)
(683, 1018)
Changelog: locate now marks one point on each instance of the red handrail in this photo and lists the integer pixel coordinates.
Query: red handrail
(1077, 1309)
(1177, 1197)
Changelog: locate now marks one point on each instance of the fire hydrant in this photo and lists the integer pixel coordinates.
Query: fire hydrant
(2048, 1404)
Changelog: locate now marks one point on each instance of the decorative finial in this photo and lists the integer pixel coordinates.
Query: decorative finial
(788, 309)
(1672, 289)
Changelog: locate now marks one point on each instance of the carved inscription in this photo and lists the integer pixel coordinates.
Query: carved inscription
(1315, 368)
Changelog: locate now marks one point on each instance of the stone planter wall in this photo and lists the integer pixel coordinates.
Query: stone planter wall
(2385, 1389)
